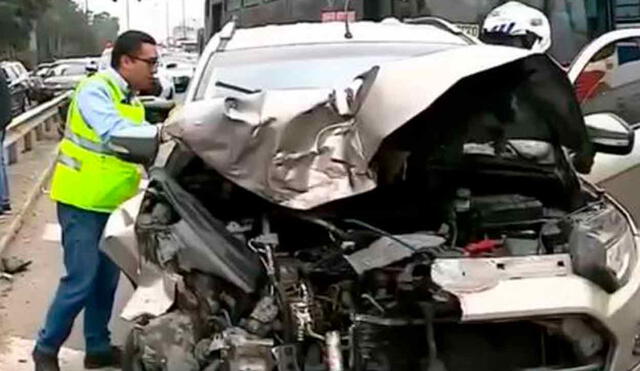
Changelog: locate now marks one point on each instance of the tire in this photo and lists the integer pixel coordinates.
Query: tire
(132, 354)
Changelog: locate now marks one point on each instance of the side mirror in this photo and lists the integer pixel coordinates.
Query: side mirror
(610, 133)
(136, 144)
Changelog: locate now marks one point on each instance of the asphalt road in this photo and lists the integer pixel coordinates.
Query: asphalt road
(23, 302)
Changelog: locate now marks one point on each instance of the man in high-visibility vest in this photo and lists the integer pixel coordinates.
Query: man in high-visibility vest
(5, 119)
(89, 182)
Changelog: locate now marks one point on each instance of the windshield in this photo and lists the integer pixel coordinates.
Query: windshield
(573, 22)
(301, 66)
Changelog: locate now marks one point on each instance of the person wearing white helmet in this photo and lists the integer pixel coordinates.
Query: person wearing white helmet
(519, 25)
(541, 82)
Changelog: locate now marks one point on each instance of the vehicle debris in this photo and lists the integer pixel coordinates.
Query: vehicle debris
(13, 265)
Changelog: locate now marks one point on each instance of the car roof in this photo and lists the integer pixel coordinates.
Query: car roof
(334, 32)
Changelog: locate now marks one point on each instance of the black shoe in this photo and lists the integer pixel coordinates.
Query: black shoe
(45, 362)
(112, 358)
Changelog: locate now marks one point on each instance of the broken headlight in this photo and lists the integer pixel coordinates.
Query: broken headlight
(602, 246)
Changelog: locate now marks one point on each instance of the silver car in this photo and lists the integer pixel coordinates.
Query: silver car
(326, 202)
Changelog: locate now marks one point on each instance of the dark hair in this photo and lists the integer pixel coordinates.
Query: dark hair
(129, 43)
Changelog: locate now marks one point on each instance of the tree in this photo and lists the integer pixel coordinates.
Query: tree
(105, 28)
(65, 31)
(62, 29)
(17, 21)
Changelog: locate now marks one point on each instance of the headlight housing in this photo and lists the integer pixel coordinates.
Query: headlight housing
(603, 247)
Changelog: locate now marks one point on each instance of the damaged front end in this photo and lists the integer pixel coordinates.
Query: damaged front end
(377, 228)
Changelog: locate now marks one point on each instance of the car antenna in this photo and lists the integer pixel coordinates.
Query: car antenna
(347, 31)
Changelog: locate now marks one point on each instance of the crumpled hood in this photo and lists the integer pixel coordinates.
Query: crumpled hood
(303, 148)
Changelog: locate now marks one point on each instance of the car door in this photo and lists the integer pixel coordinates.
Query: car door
(606, 76)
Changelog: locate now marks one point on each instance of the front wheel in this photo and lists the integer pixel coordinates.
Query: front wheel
(132, 353)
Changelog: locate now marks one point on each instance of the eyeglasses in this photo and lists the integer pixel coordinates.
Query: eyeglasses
(152, 62)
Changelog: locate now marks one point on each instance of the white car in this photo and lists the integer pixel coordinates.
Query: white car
(179, 69)
(330, 205)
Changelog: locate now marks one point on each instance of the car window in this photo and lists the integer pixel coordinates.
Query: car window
(301, 66)
(610, 82)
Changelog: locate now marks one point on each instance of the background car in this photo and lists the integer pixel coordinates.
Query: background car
(179, 68)
(42, 70)
(18, 87)
(65, 75)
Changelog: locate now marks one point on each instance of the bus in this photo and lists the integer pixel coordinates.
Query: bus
(627, 13)
(574, 22)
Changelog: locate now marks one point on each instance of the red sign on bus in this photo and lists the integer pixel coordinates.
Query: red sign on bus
(338, 16)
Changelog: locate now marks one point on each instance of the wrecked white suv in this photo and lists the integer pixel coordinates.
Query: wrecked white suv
(368, 202)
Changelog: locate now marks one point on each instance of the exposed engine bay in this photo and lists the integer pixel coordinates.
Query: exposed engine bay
(289, 290)
(368, 279)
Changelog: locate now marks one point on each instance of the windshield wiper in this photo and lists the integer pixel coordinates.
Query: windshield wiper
(237, 88)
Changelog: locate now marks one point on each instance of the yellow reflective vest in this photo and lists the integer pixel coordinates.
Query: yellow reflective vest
(87, 174)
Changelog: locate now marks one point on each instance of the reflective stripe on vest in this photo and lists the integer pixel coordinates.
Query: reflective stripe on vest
(69, 161)
(87, 174)
(87, 144)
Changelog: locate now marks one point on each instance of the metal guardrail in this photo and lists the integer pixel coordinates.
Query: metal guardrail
(37, 120)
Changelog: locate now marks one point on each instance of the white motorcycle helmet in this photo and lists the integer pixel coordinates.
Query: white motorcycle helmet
(519, 25)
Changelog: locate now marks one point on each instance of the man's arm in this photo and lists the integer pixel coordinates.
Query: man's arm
(97, 108)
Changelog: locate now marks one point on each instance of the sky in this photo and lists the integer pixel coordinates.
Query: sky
(150, 15)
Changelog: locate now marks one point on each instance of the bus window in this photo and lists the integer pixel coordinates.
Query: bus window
(232, 5)
(249, 3)
(627, 11)
(573, 22)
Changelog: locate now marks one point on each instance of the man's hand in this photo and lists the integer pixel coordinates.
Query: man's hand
(582, 163)
(163, 133)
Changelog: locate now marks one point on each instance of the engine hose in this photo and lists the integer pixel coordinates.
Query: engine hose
(287, 316)
(325, 224)
(380, 232)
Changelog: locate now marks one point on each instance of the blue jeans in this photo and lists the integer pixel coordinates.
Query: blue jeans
(4, 180)
(90, 284)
